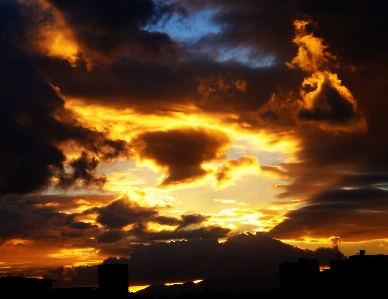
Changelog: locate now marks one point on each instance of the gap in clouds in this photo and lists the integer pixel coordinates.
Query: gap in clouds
(197, 28)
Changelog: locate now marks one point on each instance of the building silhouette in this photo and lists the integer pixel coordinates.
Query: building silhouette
(298, 278)
(19, 287)
(364, 273)
(113, 278)
(358, 275)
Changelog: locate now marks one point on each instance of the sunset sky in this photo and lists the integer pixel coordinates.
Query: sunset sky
(129, 124)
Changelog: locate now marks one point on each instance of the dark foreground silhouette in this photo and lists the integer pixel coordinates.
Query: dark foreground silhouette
(180, 291)
(308, 292)
(359, 276)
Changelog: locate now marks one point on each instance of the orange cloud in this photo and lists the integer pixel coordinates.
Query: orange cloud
(325, 100)
(52, 36)
(330, 104)
(312, 54)
(225, 173)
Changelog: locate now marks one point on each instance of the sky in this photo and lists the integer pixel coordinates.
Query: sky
(160, 133)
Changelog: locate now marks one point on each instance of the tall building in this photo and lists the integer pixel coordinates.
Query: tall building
(299, 276)
(113, 278)
(366, 273)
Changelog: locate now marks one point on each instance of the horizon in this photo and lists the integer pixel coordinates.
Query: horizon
(175, 129)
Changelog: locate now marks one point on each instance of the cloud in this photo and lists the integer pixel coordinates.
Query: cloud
(181, 152)
(275, 171)
(32, 218)
(193, 219)
(82, 225)
(325, 100)
(335, 240)
(68, 230)
(34, 122)
(83, 171)
(125, 218)
(352, 214)
(209, 232)
(312, 55)
(122, 212)
(330, 104)
(111, 236)
(81, 276)
(329, 165)
(151, 72)
(231, 167)
(104, 30)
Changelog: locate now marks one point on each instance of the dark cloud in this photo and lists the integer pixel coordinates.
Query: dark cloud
(352, 214)
(82, 225)
(111, 236)
(34, 121)
(154, 88)
(330, 104)
(122, 212)
(353, 28)
(116, 260)
(40, 219)
(340, 161)
(182, 152)
(201, 79)
(353, 165)
(109, 28)
(184, 77)
(83, 171)
(248, 23)
(365, 179)
(27, 159)
(142, 232)
(188, 220)
(33, 218)
(166, 220)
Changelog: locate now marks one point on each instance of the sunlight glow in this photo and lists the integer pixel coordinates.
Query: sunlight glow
(127, 123)
(60, 44)
(83, 253)
(134, 289)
